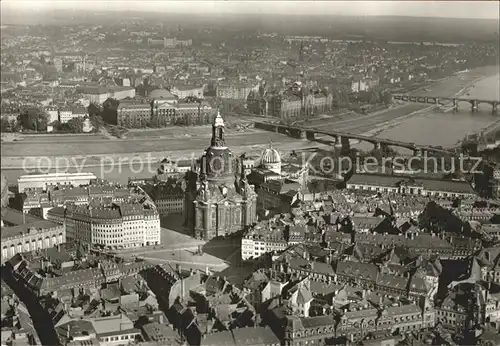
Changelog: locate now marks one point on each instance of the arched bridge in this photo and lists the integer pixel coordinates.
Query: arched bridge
(339, 136)
(439, 101)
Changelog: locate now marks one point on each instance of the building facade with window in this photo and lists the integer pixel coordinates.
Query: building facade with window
(113, 227)
(410, 186)
(31, 237)
(42, 181)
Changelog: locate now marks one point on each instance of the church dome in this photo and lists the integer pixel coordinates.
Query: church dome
(270, 156)
(271, 160)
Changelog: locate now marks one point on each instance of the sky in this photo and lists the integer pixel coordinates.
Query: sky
(449, 9)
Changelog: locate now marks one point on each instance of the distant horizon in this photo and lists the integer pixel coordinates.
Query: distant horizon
(488, 10)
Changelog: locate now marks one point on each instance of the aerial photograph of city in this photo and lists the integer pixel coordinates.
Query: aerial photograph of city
(250, 173)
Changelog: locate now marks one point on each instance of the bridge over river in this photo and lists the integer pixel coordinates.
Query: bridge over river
(340, 137)
(441, 101)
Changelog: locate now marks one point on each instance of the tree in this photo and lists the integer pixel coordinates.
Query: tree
(33, 119)
(15, 126)
(94, 110)
(75, 125)
(386, 97)
(5, 125)
(364, 96)
(97, 122)
(56, 124)
(109, 112)
(373, 97)
(128, 123)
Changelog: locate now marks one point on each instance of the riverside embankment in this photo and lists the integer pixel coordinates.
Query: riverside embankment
(409, 122)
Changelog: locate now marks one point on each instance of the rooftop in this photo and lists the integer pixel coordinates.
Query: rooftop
(28, 228)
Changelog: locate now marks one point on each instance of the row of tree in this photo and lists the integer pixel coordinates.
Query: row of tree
(344, 98)
(74, 125)
(34, 119)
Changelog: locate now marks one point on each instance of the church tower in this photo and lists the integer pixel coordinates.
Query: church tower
(222, 202)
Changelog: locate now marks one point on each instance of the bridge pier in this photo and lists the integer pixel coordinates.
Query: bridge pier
(310, 135)
(417, 152)
(377, 146)
(276, 129)
(474, 105)
(441, 101)
(338, 142)
(300, 134)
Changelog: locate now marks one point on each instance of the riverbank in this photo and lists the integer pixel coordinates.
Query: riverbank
(464, 89)
(79, 162)
(447, 129)
(89, 151)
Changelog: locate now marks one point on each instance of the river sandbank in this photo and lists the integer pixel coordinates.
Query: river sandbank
(470, 83)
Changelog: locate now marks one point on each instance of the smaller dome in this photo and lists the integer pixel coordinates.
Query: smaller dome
(270, 156)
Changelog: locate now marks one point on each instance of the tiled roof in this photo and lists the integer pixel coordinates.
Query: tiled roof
(159, 332)
(224, 338)
(365, 222)
(28, 228)
(392, 281)
(318, 321)
(72, 279)
(111, 324)
(364, 313)
(16, 217)
(402, 310)
(366, 271)
(254, 336)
